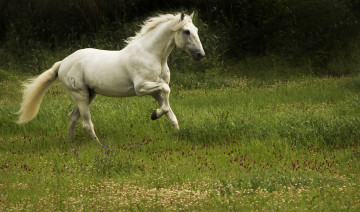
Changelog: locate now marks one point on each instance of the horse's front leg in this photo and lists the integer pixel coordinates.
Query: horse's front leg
(161, 98)
(161, 92)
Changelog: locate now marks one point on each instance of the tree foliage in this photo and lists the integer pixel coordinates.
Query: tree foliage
(319, 29)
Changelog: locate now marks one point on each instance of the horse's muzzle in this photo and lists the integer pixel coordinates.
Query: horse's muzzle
(198, 55)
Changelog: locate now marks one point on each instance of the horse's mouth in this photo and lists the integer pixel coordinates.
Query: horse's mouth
(198, 55)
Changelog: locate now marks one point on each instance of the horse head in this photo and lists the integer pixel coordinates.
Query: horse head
(187, 38)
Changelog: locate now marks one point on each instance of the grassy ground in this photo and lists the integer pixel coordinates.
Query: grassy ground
(290, 144)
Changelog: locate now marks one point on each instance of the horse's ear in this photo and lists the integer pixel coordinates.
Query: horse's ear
(192, 15)
(182, 16)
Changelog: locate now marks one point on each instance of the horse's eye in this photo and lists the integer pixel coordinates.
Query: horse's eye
(187, 32)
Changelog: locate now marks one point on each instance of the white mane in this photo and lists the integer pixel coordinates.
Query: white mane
(152, 23)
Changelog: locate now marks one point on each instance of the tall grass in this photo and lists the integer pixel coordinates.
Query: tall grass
(248, 144)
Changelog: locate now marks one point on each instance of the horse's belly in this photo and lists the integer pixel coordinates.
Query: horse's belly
(112, 86)
(115, 91)
(109, 83)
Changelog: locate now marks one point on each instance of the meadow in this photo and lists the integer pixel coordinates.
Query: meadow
(286, 143)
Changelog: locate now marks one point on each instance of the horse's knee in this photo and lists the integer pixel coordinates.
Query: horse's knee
(166, 88)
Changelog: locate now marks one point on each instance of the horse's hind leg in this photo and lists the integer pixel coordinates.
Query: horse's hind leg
(73, 120)
(84, 108)
(86, 118)
(82, 100)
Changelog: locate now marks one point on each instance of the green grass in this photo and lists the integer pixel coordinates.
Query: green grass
(245, 144)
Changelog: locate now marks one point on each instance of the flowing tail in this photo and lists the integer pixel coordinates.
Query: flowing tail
(34, 91)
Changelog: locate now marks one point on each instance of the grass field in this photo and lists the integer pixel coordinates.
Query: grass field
(252, 144)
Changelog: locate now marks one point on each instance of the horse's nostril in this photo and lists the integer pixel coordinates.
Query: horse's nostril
(200, 56)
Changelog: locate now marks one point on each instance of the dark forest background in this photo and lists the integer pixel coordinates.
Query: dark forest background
(320, 33)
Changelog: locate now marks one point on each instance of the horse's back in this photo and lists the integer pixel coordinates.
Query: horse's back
(87, 55)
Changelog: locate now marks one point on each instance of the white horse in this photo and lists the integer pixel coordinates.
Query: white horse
(139, 69)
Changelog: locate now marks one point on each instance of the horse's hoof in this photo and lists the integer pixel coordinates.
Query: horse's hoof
(153, 115)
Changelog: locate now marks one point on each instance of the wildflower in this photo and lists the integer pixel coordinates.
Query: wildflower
(75, 152)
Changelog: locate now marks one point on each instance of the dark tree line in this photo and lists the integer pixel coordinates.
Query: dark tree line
(316, 28)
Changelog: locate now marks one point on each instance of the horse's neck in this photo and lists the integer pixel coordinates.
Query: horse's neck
(160, 42)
